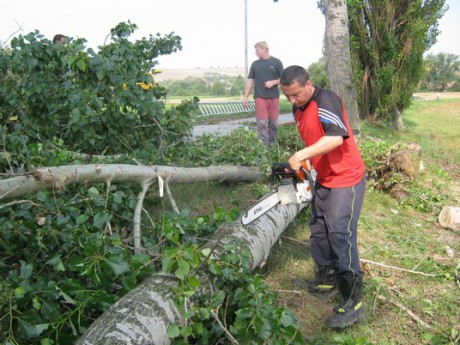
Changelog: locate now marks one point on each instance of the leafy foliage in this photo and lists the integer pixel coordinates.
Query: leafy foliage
(240, 298)
(69, 261)
(318, 73)
(104, 102)
(64, 266)
(440, 71)
(377, 156)
(241, 147)
(388, 39)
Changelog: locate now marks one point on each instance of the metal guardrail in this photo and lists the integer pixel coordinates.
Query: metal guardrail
(221, 108)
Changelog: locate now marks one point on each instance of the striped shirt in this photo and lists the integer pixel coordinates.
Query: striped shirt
(325, 115)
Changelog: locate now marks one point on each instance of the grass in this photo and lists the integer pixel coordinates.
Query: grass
(389, 233)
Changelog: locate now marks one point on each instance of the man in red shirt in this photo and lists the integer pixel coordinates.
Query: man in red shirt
(340, 185)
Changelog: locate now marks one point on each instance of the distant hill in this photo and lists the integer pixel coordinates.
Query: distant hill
(196, 72)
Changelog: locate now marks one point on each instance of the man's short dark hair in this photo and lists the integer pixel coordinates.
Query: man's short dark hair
(294, 73)
(58, 38)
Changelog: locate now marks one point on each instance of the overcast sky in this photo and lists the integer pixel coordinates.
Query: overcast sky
(212, 31)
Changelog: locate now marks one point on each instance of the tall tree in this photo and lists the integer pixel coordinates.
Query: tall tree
(337, 44)
(388, 39)
(318, 73)
(440, 71)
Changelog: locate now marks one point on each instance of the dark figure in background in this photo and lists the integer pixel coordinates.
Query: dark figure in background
(340, 185)
(60, 39)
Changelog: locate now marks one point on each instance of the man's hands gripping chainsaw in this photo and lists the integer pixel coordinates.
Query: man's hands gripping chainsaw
(287, 186)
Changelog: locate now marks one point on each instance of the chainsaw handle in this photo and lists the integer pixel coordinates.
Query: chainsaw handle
(304, 171)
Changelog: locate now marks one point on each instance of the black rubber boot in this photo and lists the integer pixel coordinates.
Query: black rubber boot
(324, 282)
(351, 310)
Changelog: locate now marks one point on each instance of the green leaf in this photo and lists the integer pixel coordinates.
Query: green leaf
(188, 293)
(138, 260)
(187, 331)
(57, 263)
(101, 219)
(129, 282)
(81, 64)
(82, 218)
(26, 270)
(19, 292)
(93, 193)
(66, 297)
(173, 331)
(166, 264)
(32, 330)
(50, 310)
(118, 264)
(193, 282)
(42, 196)
(206, 251)
(244, 313)
(288, 318)
(76, 263)
(36, 304)
(182, 270)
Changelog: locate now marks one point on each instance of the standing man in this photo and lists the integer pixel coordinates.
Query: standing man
(264, 75)
(340, 185)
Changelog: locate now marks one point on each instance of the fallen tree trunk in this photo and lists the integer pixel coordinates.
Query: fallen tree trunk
(59, 177)
(144, 314)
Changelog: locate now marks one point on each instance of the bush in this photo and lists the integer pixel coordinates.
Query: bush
(104, 102)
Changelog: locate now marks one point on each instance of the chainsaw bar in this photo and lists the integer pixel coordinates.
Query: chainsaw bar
(260, 208)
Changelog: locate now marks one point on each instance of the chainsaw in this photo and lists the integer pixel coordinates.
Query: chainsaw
(292, 187)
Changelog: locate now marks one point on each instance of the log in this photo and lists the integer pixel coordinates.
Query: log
(59, 177)
(143, 316)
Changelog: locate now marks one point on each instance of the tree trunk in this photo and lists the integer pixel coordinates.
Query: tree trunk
(337, 42)
(144, 314)
(59, 177)
(398, 123)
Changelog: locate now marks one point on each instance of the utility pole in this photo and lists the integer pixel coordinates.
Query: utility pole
(245, 38)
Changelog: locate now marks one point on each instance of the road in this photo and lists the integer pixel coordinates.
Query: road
(225, 127)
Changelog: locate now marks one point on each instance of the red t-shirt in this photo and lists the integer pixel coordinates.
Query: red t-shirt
(324, 115)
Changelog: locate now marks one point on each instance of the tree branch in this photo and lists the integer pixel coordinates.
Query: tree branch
(397, 268)
(137, 216)
(408, 311)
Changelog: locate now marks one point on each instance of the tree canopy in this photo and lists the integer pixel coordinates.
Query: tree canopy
(388, 40)
(94, 102)
(439, 73)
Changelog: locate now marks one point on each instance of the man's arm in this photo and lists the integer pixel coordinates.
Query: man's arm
(247, 91)
(270, 83)
(324, 145)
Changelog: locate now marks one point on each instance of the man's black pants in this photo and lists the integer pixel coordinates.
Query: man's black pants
(334, 227)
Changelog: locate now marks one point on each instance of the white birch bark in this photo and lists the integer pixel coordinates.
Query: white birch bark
(59, 177)
(143, 316)
(338, 58)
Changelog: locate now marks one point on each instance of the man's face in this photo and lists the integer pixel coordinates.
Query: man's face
(297, 94)
(261, 52)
